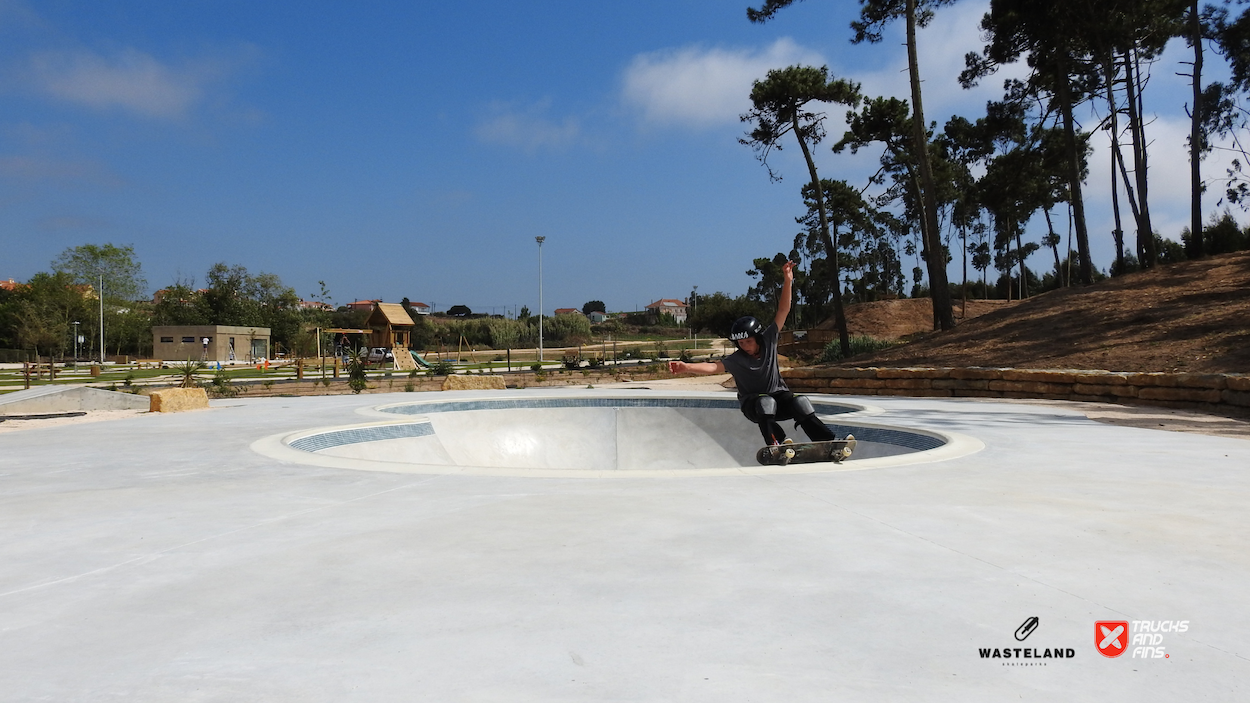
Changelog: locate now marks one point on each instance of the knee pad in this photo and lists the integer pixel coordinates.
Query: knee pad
(766, 406)
(803, 407)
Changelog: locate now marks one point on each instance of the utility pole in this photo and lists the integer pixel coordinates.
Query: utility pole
(101, 320)
(540, 241)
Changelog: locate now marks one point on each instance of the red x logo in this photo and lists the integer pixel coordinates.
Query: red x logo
(1111, 637)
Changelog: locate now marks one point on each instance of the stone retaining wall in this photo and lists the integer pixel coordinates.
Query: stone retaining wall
(1185, 390)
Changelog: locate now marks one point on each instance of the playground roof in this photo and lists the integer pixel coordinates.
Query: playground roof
(389, 313)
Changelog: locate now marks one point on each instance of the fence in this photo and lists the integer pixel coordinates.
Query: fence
(15, 356)
(809, 342)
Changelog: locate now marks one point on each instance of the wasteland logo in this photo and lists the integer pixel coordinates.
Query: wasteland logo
(1026, 656)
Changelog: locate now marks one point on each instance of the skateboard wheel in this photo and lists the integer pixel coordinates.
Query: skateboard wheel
(789, 453)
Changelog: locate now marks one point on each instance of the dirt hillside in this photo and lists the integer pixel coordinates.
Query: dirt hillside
(1193, 316)
(898, 319)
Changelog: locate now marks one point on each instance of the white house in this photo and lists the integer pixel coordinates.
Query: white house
(676, 308)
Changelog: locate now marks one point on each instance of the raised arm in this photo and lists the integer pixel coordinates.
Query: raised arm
(783, 305)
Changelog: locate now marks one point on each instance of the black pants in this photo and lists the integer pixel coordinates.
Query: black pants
(784, 406)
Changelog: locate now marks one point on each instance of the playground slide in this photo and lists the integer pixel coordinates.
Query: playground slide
(417, 358)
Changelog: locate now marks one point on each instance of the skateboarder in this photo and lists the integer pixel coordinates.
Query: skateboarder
(762, 394)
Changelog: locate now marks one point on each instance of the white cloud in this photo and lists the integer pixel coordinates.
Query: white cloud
(28, 169)
(704, 87)
(528, 128)
(130, 80)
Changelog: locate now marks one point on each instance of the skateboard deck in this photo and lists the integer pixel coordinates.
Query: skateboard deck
(806, 452)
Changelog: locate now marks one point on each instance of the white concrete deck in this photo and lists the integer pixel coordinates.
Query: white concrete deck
(159, 558)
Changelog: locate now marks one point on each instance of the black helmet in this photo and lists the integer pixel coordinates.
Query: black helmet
(745, 327)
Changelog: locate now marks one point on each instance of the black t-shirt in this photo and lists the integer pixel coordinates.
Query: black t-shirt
(757, 376)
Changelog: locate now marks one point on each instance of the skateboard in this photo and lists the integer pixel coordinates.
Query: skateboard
(806, 452)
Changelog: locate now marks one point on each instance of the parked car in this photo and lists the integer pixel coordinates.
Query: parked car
(380, 354)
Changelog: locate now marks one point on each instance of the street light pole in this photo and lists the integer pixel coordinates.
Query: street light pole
(76, 343)
(540, 241)
(101, 320)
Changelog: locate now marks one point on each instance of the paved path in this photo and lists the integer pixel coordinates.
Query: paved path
(158, 558)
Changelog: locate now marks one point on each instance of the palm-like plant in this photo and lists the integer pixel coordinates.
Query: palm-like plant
(187, 371)
(357, 361)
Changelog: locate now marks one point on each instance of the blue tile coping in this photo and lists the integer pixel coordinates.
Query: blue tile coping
(914, 441)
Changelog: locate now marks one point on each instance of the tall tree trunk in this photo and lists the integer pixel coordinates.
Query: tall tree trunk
(1024, 280)
(1064, 95)
(1116, 157)
(1068, 268)
(935, 253)
(963, 246)
(831, 250)
(1193, 248)
(1145, 231)
(1054, 240)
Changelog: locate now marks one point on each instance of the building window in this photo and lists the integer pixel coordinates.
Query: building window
(188, 340)
(167, 340)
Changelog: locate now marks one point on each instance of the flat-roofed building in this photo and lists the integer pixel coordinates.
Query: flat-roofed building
(222, 343)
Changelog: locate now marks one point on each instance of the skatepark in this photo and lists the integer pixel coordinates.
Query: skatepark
(292, 549)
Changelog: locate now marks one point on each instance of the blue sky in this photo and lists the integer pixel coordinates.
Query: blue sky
(416, 149)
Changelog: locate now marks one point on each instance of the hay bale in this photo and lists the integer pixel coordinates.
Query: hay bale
(176, 400)
(473, 383)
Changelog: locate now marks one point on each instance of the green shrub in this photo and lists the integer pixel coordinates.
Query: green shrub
(221, 386)
(860, 344)
(567, 330)
(442, 367)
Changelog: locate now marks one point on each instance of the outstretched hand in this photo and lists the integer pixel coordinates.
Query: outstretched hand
(676, 367)
(787, 271)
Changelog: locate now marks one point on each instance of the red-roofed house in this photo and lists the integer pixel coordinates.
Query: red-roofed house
(366, 305)
(676, 308)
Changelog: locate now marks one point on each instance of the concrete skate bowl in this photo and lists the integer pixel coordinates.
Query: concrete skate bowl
(592, 436)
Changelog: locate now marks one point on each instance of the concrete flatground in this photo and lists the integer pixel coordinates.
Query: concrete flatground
(158, 558)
